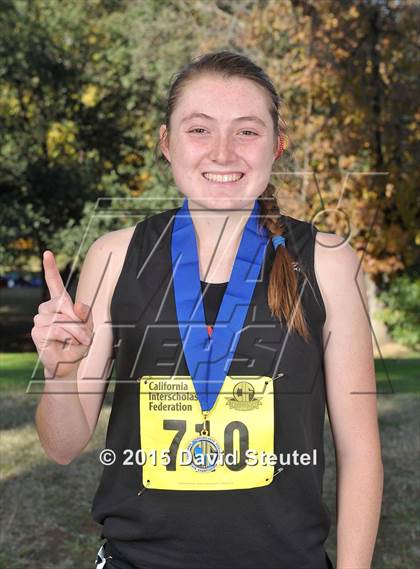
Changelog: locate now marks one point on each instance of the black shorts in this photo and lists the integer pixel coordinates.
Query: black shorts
(114, 559)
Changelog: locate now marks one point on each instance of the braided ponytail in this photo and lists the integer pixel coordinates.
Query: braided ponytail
(283, 294)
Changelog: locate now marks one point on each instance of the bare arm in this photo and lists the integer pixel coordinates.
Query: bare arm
(351, 401)
(69, 408)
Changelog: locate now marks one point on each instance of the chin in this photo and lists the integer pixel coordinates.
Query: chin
(222, 203)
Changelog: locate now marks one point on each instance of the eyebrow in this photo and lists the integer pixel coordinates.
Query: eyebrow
(237, 119)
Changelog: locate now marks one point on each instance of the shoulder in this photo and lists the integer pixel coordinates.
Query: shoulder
(105, 257)
(338, 272)
(113, 241)
(117, 242)
(333, 252)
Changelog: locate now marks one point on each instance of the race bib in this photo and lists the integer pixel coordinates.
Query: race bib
(181, 452)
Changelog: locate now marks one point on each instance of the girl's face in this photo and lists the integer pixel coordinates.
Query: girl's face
(221, 127)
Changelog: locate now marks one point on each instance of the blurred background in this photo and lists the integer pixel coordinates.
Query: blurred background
(83, 85)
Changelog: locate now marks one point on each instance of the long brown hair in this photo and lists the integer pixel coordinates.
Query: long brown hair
(283, 295)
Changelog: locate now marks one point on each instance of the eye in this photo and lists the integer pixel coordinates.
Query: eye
(250, 131)
(195, 129)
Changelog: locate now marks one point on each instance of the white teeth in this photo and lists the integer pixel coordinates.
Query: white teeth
(222, 178)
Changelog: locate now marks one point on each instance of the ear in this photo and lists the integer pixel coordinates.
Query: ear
(163, 144)
(280, 147)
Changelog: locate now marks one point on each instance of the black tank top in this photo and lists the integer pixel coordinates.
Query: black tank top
(279, 526)
(212, 299)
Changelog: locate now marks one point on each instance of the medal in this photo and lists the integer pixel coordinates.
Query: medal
(205, 454)
(204, 450)
(209, 356)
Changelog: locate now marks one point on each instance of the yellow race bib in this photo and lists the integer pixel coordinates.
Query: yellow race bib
(182, 452)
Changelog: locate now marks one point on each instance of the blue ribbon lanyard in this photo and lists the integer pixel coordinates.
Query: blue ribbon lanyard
(209, 359)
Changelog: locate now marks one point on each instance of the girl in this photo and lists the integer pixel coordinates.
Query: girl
(231, 327)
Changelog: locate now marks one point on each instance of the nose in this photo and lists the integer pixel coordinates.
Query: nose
(223, 149)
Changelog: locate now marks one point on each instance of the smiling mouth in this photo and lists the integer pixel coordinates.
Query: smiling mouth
(223, 178)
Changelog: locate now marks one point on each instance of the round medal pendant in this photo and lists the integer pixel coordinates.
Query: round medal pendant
(205, 453)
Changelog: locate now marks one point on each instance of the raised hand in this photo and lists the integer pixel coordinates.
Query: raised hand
(62, 330)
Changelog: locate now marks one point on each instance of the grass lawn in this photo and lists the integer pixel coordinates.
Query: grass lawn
(393, 375)
(45, 507)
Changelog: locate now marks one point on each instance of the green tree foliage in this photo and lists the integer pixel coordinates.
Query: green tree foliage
(68, 104)
(401, 310)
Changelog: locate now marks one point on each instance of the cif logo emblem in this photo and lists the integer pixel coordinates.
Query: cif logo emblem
(243, 397)
(204, 453)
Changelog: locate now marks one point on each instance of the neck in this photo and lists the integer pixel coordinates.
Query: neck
(218, 235)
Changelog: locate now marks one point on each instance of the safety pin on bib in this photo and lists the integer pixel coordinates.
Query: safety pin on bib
(277, 376)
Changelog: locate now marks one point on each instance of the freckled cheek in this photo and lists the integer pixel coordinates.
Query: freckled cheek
(258, 160)
(185, 171)
(188, 154)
